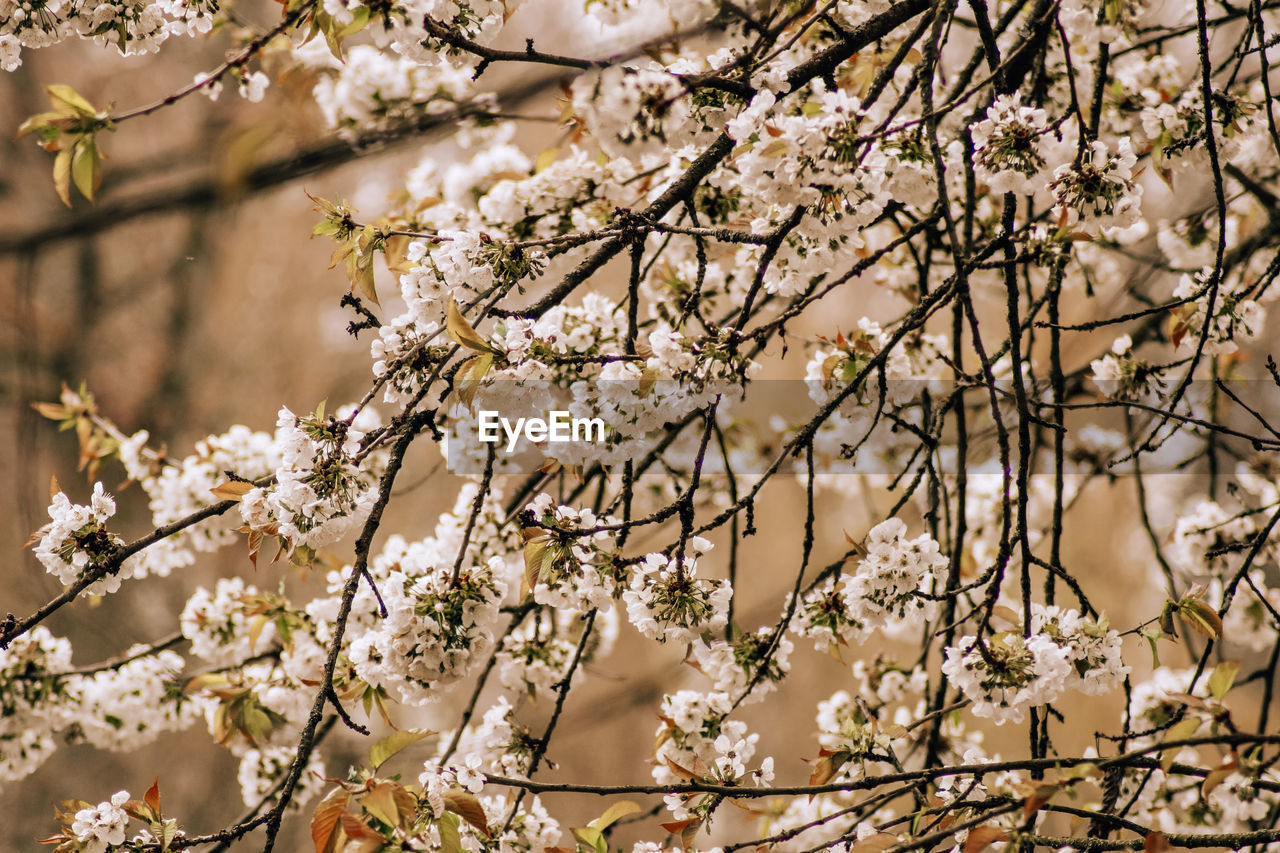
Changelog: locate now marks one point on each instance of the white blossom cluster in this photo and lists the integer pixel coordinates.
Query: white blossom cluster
(721, 181)
(76, 539)
(131, 27)
(1011, 673)
(320, 493)
(667, 601)
(883, 593)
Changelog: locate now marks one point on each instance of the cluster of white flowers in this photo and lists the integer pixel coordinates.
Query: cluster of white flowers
(370, 89)
(1011, 673)
(666, 600)
(320, 493)
(102, 826)
(131, 27)
(1097, 194)
(439, 628)
(763, 180)
(1236, 317)
(77, 538)
(1009, 147)
(575, 573)
(31, 701)
(643, 105)
(1119, 376)
(218, 627)
(883, 593)
(756, 660)
(131, 705)
(262, 769)
(696, 739)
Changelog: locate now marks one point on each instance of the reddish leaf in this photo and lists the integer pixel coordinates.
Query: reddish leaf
(325, 820)
(981, 836)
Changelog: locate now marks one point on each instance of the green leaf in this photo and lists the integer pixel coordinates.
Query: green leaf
(359, 20)
(450, 840)
(591, 838)
(62, 176)
(614, 813)
(381, 751)
(69, 102)
(592, 835)
(1182, 730)
(39, 123)
(86, 166)
(545, 158)
(1223, 676)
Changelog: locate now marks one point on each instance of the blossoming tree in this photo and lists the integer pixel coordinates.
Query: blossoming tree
(1000, 176)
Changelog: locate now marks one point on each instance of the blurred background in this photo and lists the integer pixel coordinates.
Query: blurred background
(214, 308)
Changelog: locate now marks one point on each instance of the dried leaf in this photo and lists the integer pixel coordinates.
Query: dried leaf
(380, 801)
(357, 830)
(232, 490)
(152, 797)
(466, 806)
(1156, 842)
(1217, 776)
(462, 332)
(1037, 799)
(875, 843)
(981, 836)
(1201, 617)
(324, 822)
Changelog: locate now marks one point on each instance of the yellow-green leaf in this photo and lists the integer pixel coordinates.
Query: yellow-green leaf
(470, 374)
(38, 123)
(86, 167)
(534, 549)
(613, 814)
(1222, 677)
(462, 332)
(1182, 730)
(590, 838)
(62, 176)
(450, 841)
(777, 148)
(380, 801)
(69, 102)
(545, 159)
(381, 751)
